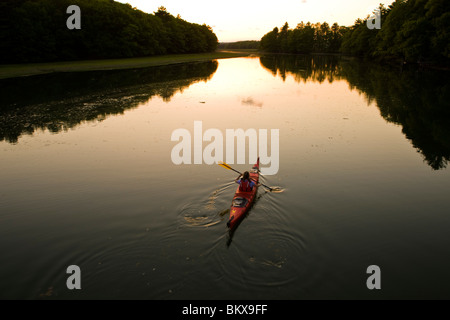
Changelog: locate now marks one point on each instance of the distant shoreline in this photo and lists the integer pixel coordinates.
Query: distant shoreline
(31, 69)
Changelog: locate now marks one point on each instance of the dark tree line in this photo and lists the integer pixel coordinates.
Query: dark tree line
(35, 31)
(250, 44)
(305, 38)
(411, 31)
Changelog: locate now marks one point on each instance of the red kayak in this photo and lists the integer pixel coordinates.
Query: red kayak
(242, 201)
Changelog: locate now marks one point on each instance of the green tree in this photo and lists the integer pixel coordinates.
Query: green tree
(36, 32)
(269, 42)
(305, 38)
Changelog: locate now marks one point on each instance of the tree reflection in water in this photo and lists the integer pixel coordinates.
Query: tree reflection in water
(61, 101)
(418, 100)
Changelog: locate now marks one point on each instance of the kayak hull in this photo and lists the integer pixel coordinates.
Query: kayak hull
(242, 201)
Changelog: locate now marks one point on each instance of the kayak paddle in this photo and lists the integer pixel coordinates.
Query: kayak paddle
(226, 166)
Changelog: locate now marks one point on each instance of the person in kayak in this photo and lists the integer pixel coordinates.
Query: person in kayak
(245, 184)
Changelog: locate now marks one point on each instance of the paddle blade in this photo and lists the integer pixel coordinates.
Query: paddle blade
(276, 189)
(224, 165)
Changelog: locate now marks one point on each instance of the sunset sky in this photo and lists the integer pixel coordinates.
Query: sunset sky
(235, 20)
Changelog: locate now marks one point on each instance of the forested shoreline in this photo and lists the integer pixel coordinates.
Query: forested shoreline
(36, 31)
(416, 31)
(250, 44)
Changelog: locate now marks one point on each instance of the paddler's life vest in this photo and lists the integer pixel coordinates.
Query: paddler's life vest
(244, 186)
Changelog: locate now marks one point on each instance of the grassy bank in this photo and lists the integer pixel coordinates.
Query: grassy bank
(20, 70)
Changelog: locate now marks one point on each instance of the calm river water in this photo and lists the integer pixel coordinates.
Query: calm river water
(87, 179)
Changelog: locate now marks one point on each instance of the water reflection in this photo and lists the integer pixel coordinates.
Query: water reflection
(109, 197)
(415, 99)
(418, 100)
(304, 68)
(251, 102)
(59, 102)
